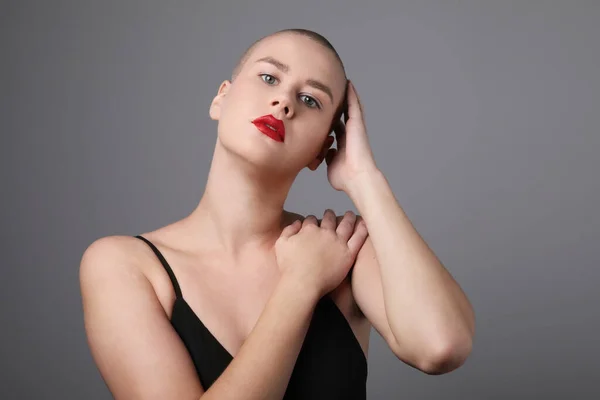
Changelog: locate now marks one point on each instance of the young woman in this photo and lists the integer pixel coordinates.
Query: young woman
(245, 300)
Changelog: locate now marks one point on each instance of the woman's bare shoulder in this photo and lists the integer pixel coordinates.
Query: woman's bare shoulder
(120, 248)
(124, 318)
(118, 255)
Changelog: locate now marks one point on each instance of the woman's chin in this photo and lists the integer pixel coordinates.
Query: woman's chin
(256, 147)
(256, 154)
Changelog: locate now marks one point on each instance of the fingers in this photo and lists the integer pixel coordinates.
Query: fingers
(329, 220)
(345, 105)
(358, 238)
(291, 229)
(310, 220)
(346, 226)
(340, 134)
(354, 107)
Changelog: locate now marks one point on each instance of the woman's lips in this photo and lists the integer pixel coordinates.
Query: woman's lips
(271, 126)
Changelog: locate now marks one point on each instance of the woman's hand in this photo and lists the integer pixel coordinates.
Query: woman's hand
(319, 257)
(353, 155)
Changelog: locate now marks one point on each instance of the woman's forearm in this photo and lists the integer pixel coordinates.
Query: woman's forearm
(263, 366)
(426, 308)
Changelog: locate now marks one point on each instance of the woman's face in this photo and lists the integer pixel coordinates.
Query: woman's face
(293, 78)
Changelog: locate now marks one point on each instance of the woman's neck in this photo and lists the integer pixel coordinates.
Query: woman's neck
(242, 206)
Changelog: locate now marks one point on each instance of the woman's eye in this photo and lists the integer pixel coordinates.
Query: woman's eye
(269, 79)
(310, 102)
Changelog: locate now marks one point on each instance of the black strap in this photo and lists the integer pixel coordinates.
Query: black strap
(165, 264)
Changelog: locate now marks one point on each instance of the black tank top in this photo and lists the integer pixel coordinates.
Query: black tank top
(331, 363)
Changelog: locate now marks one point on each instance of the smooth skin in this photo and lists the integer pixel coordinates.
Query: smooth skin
(141, 357)
(254, 272)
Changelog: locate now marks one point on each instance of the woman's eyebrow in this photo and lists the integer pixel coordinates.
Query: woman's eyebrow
(286, 68)
(321, 86)
(278, 64)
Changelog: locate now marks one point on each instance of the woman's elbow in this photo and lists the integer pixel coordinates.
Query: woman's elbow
(447, 357)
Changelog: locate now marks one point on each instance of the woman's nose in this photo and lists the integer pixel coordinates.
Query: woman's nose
(284, 105)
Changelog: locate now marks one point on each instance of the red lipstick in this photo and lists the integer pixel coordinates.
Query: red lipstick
(271, 126)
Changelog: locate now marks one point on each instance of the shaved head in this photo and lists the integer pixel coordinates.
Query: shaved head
(320, 39)
(303, 32)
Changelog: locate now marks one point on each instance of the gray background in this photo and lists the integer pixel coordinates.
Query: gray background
(483, 115)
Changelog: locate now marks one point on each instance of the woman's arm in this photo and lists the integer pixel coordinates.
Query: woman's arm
(398, 282)
(402, 287)
(264, 364)
(140, 356)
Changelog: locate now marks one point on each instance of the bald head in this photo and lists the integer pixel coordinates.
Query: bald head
(303, 32)
(320, 39)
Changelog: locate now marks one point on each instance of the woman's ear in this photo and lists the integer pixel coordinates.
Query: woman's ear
(314, 164)
(217, 103)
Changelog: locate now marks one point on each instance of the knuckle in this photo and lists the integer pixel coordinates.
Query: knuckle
(331, 235)
(310, 227)
(346, 224)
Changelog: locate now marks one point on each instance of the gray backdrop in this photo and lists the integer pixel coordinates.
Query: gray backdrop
(484, 116)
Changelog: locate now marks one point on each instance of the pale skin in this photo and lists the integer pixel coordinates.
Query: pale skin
(245, 264)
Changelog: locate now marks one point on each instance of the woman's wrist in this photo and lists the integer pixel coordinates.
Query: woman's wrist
(296, 288)
(363, 182)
